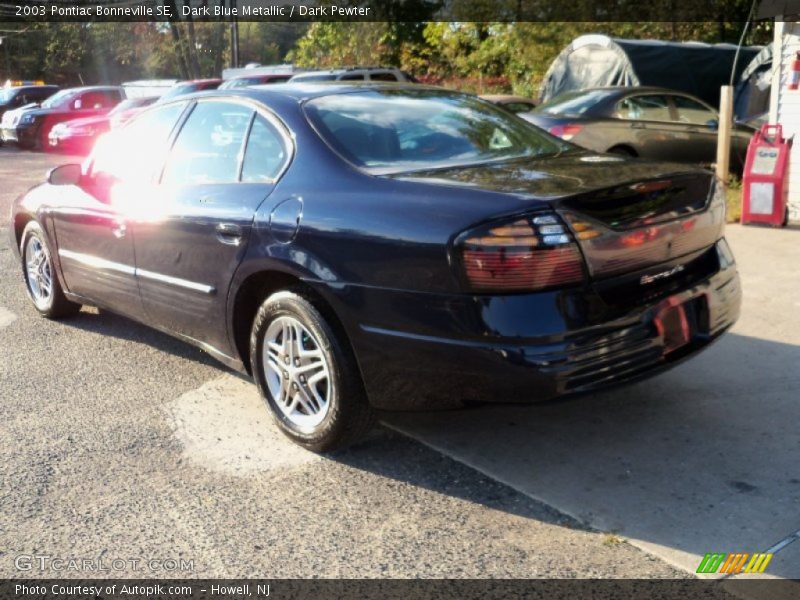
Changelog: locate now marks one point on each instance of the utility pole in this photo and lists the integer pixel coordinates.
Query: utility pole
(234, 35)
(4, 44)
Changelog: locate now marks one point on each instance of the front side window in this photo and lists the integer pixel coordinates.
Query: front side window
(644, 108)
(209, 145)
(62, 98)
(135, 153)
(400, 130)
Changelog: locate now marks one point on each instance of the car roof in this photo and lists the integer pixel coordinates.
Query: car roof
(301, 92)
(33, 86)
(93, 88)
(506, 98)
(626, 90)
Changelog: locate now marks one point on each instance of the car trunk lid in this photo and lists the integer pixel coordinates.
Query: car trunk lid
(627, 215)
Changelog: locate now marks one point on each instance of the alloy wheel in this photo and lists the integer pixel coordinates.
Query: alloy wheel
(39, 271)
(297, 372)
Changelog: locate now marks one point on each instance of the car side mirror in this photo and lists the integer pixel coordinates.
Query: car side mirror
(65, 175)
(77, 105)
(712, 124)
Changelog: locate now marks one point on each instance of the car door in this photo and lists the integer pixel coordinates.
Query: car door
(701, 123)
(222, 165)
(95, 245)
(651, 128)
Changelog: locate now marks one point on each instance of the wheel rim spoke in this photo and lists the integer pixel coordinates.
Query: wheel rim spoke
(38, 271)
(297, 372)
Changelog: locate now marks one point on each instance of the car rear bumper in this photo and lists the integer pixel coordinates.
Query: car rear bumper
(529, 348)
(22, 135)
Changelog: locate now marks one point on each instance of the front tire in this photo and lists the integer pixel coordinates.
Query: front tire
(41, 279)
(307, 374)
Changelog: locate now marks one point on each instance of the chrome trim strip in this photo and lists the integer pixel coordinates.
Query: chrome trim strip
(101, 263)
(97, 262)
(176, 281)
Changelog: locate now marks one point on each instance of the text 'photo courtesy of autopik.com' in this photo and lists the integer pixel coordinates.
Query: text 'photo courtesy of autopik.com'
(436, 299)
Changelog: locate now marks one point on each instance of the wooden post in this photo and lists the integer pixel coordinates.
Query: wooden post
(724, 133)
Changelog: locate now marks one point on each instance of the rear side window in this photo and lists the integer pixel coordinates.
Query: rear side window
(383, 77)
(644, 108)
(691, 111)
(209, 145)
(359, 77)
(265, 153)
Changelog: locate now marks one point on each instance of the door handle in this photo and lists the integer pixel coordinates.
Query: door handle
(635, 125)
(120, 230)
(229, 233)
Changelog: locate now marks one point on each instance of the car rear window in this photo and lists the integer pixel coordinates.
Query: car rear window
(391, 131)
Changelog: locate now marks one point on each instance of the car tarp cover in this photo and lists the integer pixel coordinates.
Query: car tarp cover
(598, 61)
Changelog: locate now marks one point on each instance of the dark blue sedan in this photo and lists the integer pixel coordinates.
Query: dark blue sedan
(364, 247)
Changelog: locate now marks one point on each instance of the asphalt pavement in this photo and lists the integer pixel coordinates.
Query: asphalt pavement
(119, 441)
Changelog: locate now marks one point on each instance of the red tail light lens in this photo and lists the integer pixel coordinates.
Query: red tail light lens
(566, 132)
(528, 254)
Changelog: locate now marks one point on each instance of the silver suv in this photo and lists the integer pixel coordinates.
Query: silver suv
(354, 74)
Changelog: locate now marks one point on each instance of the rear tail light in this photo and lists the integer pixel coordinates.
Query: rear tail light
(566, 132)
(526, 254)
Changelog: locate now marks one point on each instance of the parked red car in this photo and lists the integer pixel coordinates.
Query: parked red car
(31, 127)
(79, 135)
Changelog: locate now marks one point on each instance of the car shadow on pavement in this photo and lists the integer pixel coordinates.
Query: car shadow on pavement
(397, 457)
(111, 324)
(703, 458)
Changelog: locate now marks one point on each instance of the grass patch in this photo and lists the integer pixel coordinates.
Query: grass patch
(611, 540)
(733, 199)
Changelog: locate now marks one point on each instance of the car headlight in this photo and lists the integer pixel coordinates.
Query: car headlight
(27, 119)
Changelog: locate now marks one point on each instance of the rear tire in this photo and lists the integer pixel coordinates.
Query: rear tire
(41, 280)
(307, 374)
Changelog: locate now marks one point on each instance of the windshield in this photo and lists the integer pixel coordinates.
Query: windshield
(57, 98)
(132, 103)
(394, 131)
(573, 103)
(6, 96)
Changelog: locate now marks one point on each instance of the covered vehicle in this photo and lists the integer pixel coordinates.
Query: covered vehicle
(79, 135)
(646, 122)
(696, 68)
(30, 126)
(751, 96)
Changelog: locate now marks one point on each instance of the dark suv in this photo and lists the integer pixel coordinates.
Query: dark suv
(17, 96)
(355, 74)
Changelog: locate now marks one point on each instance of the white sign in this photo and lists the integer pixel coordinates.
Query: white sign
(762, 197)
